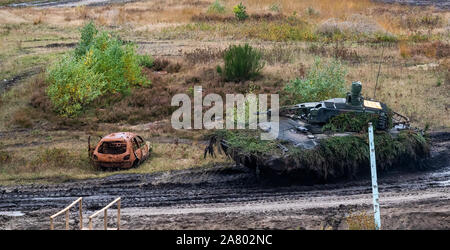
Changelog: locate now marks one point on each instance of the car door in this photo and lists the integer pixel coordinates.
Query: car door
(144, 147)
(136, 148)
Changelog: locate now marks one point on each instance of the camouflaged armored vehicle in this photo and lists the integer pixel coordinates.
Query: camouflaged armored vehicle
(319, 141)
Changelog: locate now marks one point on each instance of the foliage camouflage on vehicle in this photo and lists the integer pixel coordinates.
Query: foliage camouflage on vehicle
(322, 141)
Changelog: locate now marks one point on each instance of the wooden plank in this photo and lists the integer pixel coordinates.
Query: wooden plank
(101, 210)
(105, 220)
(81, 214)
(118, 215)
(67, 219)
(105, 216)
(67, 208)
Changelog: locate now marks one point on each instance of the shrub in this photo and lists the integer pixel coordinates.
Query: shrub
(87, 35)
(242, 63)
(239, 12)
(146, 61)
(312, 12)
(73, 85)
(419, 37)
(5, 157)
(21, 119)
(275, 7)
(361, 221)
(323, 81)
(101, 64)
(385, 37)
(216, 7)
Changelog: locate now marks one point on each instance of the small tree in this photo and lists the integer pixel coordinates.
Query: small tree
(216, 7)
(100, 65)
(241, 63)
(239, 12)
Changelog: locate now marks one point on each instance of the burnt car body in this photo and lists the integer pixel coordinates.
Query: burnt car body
(119, 150)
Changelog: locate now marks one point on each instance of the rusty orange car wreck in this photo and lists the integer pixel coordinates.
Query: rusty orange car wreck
(119, 150)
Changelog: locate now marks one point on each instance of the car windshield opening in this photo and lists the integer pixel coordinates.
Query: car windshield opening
(113, 147)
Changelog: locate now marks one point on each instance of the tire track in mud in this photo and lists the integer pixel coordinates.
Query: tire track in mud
(138, 192)
(231, 188)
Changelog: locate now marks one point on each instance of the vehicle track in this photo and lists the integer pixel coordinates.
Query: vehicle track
(222, 184)
(234, 189)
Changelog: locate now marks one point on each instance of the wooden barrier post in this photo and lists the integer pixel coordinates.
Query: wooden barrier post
(80, 208)
(66, 211)
(105, 215)
(118, 215)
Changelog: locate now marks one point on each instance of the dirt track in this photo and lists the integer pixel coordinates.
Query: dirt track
(230, 197)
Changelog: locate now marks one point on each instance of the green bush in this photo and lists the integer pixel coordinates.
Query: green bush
(323, 81)
(146, 61)
(239, 12)
(216, 7)
(385, 37)
(242, 63)
(101, 64)
(88, 33)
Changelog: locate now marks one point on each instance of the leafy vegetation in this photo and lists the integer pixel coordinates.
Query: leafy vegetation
(101, 64)
(216, 7)
(323, 81)
(248, 142)
(146, 61)
(360, 221)
(334, 157)
(353, 122)
(240, 12)
(241, 63)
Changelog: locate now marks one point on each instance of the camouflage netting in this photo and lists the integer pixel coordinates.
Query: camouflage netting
(355, 122)
(334, 157)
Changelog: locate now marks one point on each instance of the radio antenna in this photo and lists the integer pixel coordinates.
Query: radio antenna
(378, 74)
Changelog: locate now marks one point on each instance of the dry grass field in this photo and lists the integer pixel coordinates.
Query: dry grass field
(410, 46)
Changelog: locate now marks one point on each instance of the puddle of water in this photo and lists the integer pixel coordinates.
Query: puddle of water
(443, 183)
(12, 213)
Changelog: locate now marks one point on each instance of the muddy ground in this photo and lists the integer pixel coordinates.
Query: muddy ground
(231, 197)
(227, 196)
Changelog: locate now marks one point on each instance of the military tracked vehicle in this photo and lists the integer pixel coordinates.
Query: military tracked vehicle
(317, 114)
(309, 147)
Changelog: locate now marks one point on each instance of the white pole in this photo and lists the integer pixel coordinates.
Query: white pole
(373, 168)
